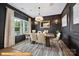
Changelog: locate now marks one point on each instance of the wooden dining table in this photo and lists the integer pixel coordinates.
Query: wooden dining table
(48, 37)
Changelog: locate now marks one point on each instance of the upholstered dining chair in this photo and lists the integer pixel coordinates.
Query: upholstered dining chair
(56, 39)
(39, 32)
(45, 31)
(33, 37)
(41, 38)
(33, 31)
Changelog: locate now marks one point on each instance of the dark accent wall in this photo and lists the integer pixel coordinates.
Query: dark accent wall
(53, 25)
(2, 24)
(70, 33)
(32, 24)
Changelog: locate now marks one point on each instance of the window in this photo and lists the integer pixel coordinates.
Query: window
(76, 14)
(25, 26)
(17, 26)
(20, 26)
(64, 21)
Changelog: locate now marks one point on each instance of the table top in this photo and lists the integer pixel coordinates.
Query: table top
(49, 35)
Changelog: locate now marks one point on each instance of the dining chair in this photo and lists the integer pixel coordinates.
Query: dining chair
(45, 31)
(41, 38)
(33, 31)
(56, 39)
(39, 32)
(33, 37)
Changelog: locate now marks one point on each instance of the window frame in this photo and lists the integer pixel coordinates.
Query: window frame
(22, 27)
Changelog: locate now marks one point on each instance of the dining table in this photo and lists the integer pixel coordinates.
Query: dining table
(48, 37)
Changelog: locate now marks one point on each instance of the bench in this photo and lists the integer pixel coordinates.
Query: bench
(65, 49)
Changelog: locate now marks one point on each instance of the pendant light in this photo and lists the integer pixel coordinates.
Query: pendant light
(39, 17)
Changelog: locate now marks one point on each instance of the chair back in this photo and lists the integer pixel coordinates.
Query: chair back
(39, 32)
(41, 38)
(33, 36)
(58, 36)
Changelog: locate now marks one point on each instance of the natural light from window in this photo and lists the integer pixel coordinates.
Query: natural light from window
(76, 14)
(20, 26)
(64, 21)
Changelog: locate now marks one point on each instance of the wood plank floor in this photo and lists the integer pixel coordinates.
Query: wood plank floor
(9, 50)
(39, 49)
(13, 52)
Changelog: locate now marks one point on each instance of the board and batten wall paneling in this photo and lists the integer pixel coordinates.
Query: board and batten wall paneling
(66, 30)
(70, 33)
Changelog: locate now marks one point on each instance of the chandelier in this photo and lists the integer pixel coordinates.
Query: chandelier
(39, 17)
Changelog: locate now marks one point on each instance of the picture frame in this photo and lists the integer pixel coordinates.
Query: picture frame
(45, 24)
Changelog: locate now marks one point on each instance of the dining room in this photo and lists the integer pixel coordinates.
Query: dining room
(45, 37)
(49, 26)
(39, 28)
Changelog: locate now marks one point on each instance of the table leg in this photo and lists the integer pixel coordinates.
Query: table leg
(47, 42)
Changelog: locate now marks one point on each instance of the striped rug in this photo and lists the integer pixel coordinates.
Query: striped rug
(39, 49)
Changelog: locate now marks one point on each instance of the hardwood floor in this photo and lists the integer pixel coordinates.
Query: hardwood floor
(56, 49)
(39, 49)
(9, 50)
(13, 52)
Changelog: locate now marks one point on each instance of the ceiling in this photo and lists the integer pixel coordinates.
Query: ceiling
(46, 9)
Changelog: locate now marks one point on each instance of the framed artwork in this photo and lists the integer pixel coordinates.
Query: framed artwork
(45, 24)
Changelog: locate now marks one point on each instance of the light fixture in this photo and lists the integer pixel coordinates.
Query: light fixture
(36, 22)
(39, 17)
(56, 21)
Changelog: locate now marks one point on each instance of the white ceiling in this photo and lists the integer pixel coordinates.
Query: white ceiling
(46, 9)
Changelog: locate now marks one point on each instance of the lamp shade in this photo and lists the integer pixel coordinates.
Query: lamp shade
(56, 21)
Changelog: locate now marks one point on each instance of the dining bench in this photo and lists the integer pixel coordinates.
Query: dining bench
(66, 51)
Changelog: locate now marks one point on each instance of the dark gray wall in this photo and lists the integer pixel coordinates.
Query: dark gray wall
(75, 37)
(53, 26)
(2, 24)
(70, 33)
